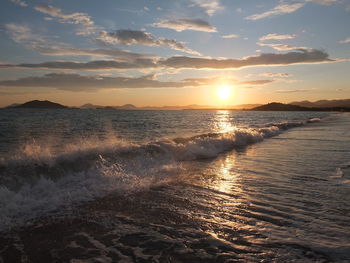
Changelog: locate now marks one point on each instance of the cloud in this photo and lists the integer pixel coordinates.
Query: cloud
(19, 2)
(76, 82)
(133, 37)
(92, 65)
(77, 18)
(22, 34)
(230, 36)
(183, 62)
(115, 53)
(186, 24)
(229, 81)
(257, 82)
(296, 57)
(284, 8)
(277, 10)
(292, 91)
(210, 7)
(346, 40)
(276, 37)
(274, 74)
(281, 47)
(323, 2)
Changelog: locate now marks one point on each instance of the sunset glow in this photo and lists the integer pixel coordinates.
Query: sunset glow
(173, 53)
(224, 92)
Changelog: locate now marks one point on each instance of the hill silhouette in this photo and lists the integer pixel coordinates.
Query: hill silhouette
(40, 104)
(275, 106)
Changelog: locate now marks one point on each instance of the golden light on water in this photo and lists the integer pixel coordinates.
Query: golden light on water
(224, 92)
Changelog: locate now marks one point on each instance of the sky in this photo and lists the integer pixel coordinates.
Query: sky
(167, 52)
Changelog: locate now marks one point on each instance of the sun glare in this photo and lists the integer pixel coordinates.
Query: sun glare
(224, 92)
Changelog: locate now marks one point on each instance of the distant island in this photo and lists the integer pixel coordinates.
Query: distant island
(40, 104)
(323, 105)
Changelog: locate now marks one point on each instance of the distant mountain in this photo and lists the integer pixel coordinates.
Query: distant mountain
(275, 106)
(90, 106)
(324, 103)
(127, 107)
(40, 104)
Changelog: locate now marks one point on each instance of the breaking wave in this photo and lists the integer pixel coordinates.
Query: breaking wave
(36, 181)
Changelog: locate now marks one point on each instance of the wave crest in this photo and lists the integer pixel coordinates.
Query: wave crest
(36, 180)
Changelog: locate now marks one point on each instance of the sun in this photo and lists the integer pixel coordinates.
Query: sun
(224, 92)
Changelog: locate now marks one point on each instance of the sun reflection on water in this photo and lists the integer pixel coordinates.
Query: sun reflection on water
(223, 121)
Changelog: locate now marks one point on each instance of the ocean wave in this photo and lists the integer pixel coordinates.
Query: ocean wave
(36, 181)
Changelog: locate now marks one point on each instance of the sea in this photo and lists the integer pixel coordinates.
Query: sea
(95, 185)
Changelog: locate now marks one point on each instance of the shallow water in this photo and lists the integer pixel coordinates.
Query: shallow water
(255, 187)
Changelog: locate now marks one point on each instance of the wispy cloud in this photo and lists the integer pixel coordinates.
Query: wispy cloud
(230, 36)
(276, 37)
(77, 18)
(186, 24)
(346, 40)
(23, 34)
(133, 37)
(277, 10)
(209, 6)
(285, 8)
(323, 2)
(19, 2)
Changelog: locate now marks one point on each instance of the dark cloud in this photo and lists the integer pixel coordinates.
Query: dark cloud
(76, 82)
(135, 37)
(257, 82)
(296, 57)
(228, 81)
(115, 53)
(184, 62)
(92, 65)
